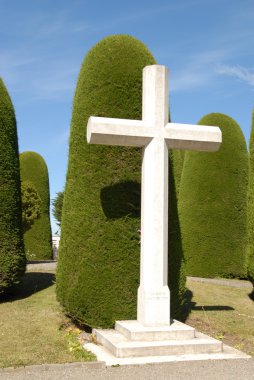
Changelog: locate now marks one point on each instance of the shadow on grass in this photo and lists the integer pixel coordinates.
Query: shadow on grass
(31, 283)
(189, 305)
(251, 295)
(213, 308)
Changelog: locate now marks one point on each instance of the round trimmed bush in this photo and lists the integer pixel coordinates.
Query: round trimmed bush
(212, 204)
(250, 252)
(12, 255)
(38, 239)
(99, 254)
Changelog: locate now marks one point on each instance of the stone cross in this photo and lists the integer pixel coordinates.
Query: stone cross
(156, 135)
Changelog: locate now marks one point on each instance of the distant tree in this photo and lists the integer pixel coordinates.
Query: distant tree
(38, 239)
(57, 204)
(31, 205)
(12, 254)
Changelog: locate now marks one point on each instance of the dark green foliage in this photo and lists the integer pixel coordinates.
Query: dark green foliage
(31, 205)
(212, 204)
(38, 240)
(176, 270)
(12, 255)
(57, 204)
(98, 267)
(250, 252)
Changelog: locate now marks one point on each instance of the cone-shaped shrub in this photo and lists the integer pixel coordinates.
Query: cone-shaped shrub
(212, 204)
(250, 252)
(12, 255)
(38, 239)
(98, 267)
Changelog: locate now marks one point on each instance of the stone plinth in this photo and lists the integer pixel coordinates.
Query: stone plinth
(132, 343)
(135, 331)
(176, 339)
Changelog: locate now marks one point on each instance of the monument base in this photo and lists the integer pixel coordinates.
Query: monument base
(132, 343)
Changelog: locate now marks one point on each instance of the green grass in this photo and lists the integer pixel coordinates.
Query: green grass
(224, 312)
(33, 329)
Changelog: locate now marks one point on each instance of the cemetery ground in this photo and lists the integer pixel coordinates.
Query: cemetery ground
(34, 330)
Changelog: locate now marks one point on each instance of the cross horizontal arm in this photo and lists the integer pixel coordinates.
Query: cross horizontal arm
(193, 137)
(124, 132)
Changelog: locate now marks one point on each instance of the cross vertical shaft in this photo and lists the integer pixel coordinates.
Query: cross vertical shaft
(153, 292)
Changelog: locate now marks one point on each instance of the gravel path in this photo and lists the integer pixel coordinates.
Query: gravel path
(220, 281)
(195, 370)
(47, 265)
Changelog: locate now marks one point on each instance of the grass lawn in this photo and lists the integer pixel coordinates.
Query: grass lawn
(33, 329)
(224, 312)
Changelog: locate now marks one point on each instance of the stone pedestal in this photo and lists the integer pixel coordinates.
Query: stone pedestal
(133, 343)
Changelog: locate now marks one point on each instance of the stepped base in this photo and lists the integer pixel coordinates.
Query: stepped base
(132, 343)
(133, 330)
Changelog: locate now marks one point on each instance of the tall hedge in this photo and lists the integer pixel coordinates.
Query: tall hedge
(38, 239)
(250, 252)
(212, 204)
(98, 267)
(12, 255)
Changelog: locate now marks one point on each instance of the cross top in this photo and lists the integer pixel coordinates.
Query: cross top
(154, 123)
(155, 135)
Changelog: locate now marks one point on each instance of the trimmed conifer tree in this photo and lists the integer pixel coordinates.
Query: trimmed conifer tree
(250, 251)
(212, 204)
(12, 255)
(38, 239)
(98, 265)
(31, 205)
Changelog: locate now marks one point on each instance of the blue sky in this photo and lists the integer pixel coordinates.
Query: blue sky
(208, 46)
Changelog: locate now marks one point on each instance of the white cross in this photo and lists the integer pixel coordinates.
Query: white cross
(156, 136)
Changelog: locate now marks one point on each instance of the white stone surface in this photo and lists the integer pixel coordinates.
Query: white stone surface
(134, 331)
(114, 348)
(155, 135)
(118, 347)
(106, 356)
(121, 347)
